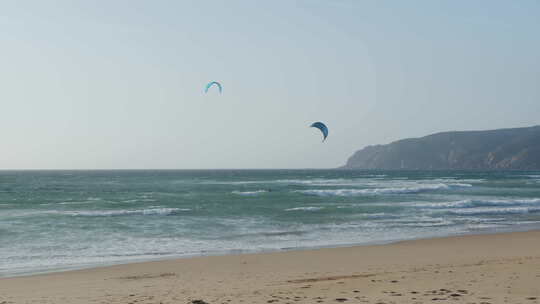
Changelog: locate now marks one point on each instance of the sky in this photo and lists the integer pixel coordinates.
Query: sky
(119, 84)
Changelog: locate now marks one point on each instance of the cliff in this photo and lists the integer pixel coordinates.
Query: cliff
(503, 149)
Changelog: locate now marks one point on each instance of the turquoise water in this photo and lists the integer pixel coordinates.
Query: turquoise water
(53, 220)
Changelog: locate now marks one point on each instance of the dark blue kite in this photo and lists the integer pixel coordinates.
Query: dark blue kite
(324, 129)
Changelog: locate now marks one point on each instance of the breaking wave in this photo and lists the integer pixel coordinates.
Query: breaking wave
(379, 191)
(249, 193)
(492, 211)
(153, 211)
(469, 203)
(309, 208)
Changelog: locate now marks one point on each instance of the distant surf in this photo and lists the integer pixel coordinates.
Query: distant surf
(379, 191)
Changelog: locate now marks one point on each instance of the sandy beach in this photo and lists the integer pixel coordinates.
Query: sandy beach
(495, 268)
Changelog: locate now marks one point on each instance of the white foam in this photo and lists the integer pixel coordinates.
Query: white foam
(74, 203)
(472, 203)
(153, 211)
(379, 191)
(309, 208)
(492, 210)
(249, 193)
(531, 175)
(314, 181)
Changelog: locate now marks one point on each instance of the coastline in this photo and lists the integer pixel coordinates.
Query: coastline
(493, 268)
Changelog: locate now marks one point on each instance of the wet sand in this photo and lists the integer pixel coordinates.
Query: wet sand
(496, 268)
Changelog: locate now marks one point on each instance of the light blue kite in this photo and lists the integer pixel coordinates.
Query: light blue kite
(210, 84)
(324, 129)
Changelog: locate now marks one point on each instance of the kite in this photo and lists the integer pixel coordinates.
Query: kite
(210, 84)
(322, 127)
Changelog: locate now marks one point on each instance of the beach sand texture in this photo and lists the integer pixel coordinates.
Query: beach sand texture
(495, 268)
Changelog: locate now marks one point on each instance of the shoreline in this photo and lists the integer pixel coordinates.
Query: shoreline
(490, 231)
(504, 267)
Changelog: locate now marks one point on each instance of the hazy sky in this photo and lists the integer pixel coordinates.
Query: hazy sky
(118, 84)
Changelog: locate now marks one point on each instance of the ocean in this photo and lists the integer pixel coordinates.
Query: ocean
(58, 220)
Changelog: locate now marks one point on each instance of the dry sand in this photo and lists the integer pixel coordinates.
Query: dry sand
(497, 268)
